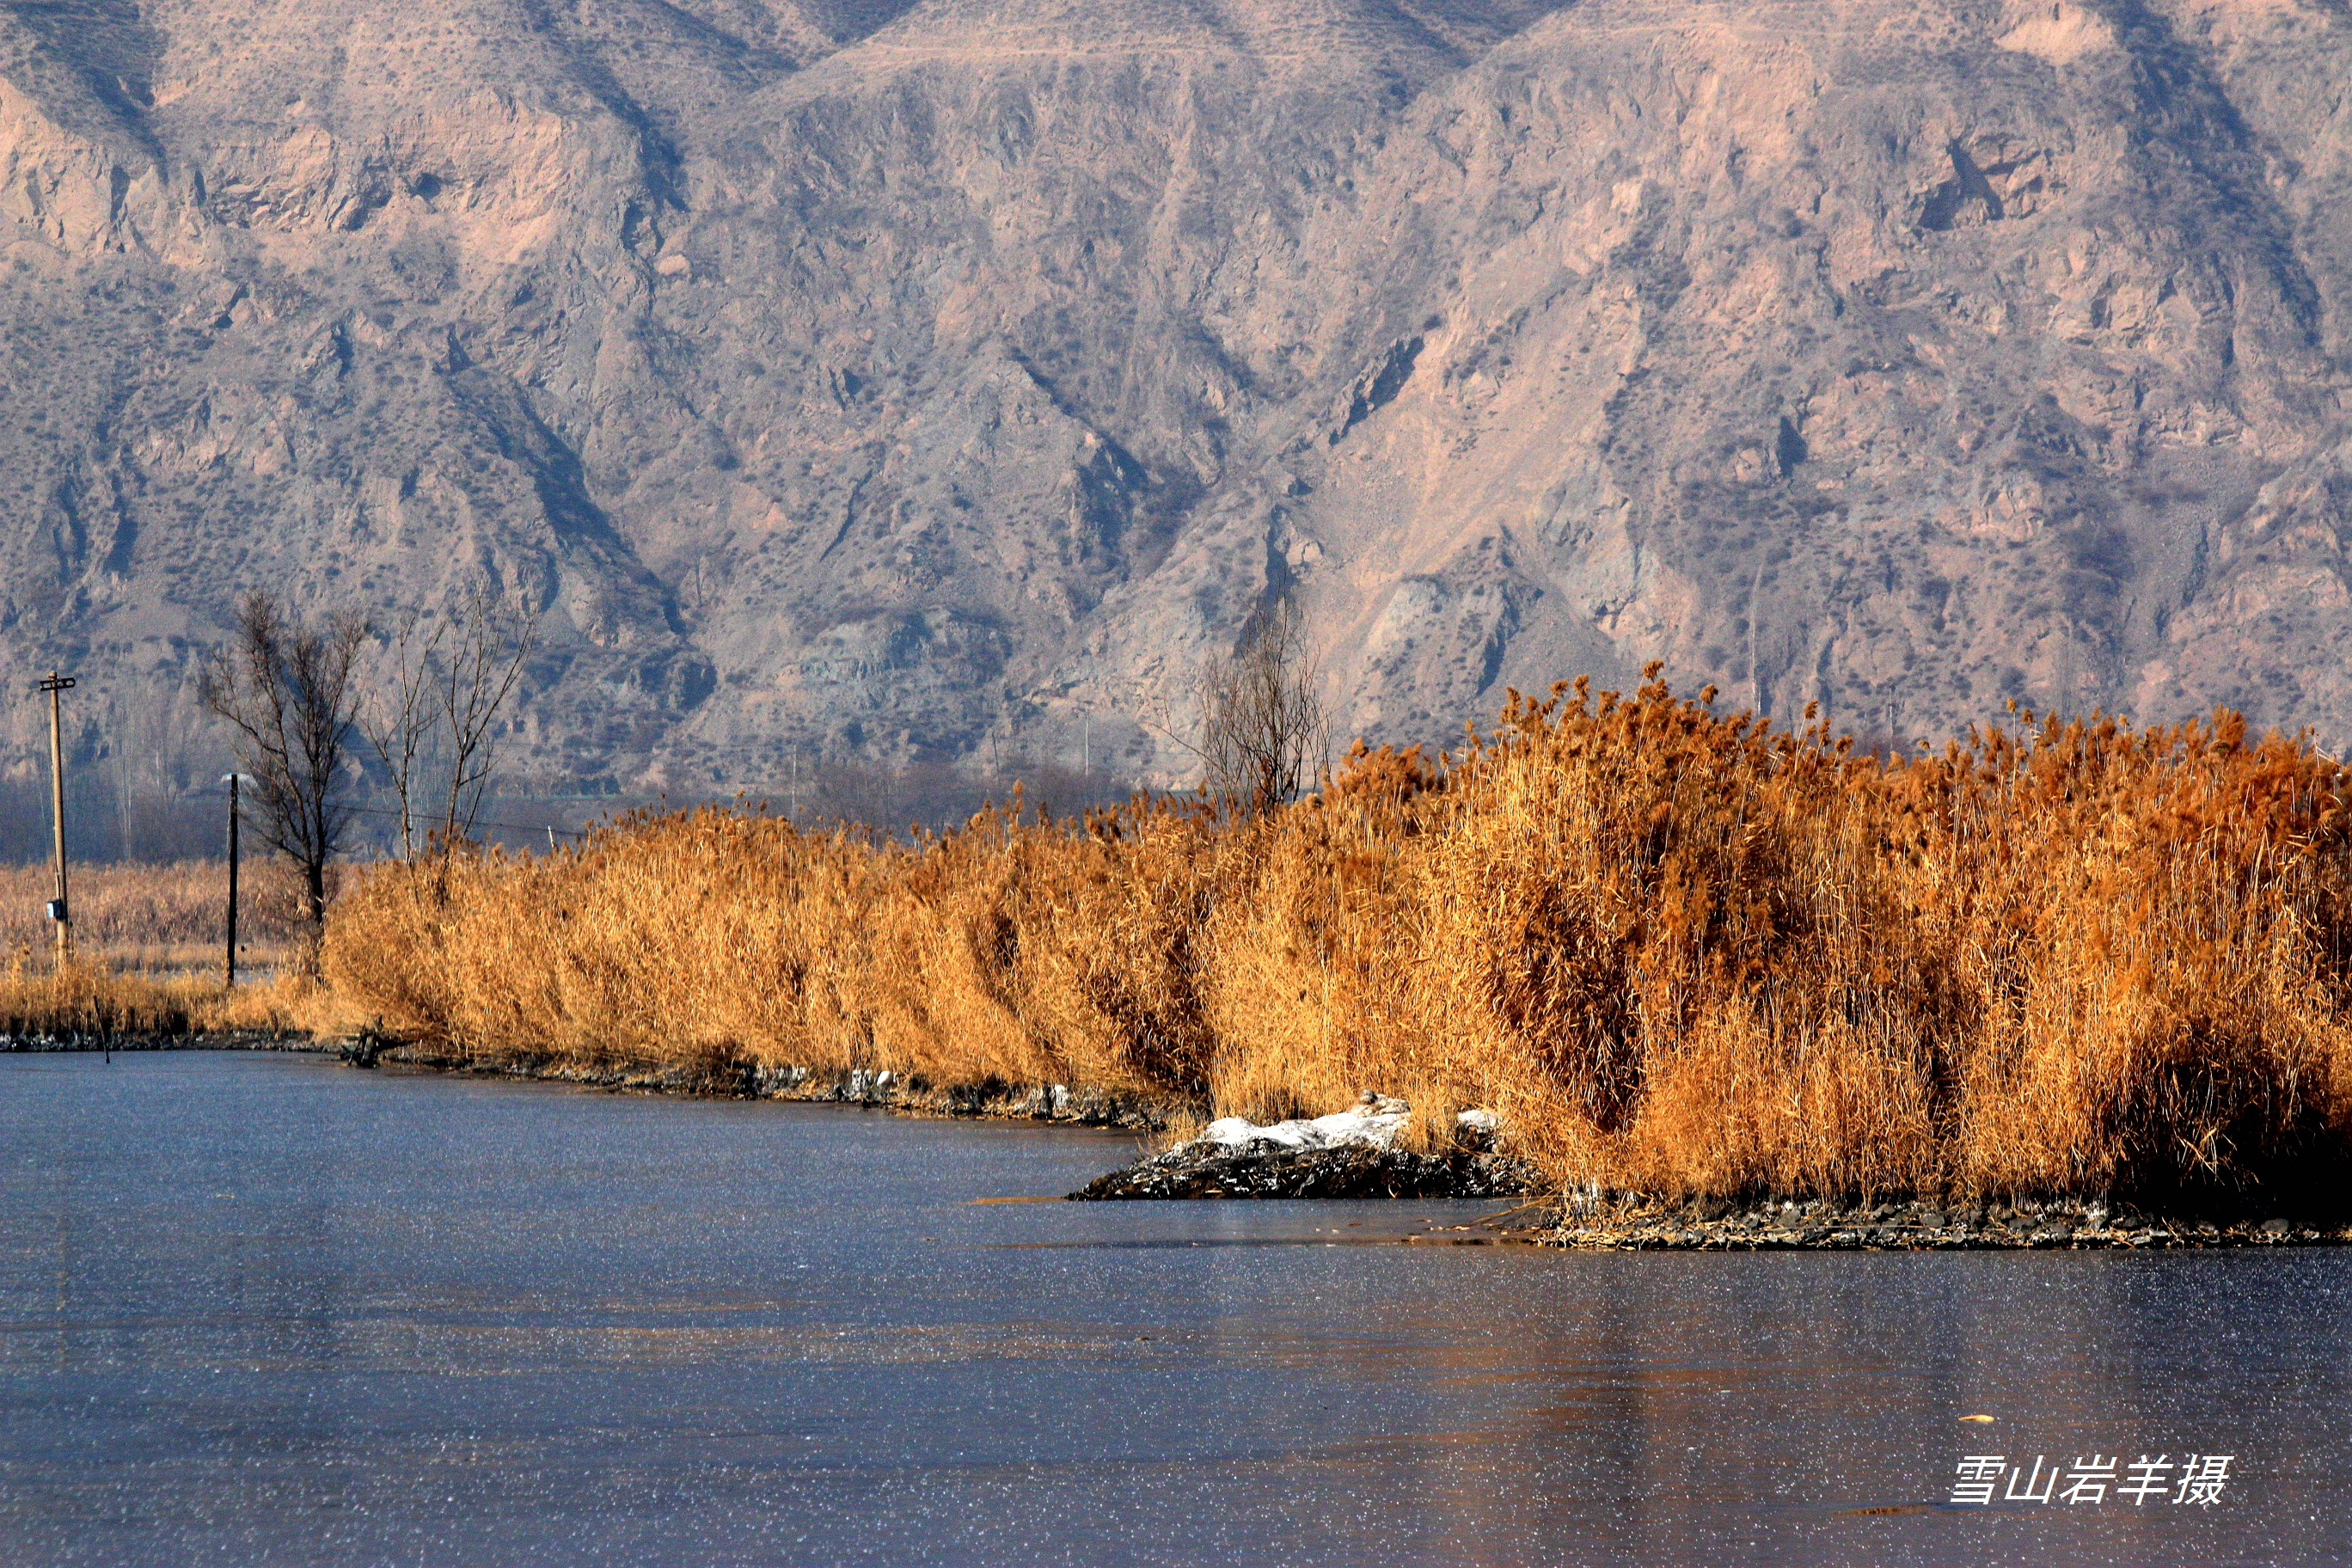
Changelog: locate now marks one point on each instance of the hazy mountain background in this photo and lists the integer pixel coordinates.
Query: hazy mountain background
(885, 386)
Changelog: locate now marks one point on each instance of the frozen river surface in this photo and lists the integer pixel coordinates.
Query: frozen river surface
(263, 1310)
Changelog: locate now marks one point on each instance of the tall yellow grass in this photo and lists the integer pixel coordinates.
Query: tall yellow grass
(1676, 951)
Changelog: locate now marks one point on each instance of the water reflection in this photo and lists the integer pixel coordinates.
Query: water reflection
(258, 1307)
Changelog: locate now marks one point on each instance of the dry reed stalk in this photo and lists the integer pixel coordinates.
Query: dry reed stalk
(1675, 950)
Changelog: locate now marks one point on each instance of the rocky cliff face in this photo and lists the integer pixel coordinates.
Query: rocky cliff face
(881, 381)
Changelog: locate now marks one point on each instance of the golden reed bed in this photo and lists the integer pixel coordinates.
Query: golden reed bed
(1676, 952)
(85, 1004)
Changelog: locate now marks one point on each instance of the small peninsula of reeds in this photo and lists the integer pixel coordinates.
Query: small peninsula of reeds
(1676, 952)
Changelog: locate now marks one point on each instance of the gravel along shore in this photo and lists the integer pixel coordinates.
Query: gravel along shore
(1350, 1153)
(1630, 1225)
(1262, 1169)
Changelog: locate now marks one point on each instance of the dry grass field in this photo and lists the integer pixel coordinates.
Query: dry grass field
(163, 919)
(1675, 951)
(147, 952)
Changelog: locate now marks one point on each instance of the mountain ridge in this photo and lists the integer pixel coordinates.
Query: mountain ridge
(946, 382)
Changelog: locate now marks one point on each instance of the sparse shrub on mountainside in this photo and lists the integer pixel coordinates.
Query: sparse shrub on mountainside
(1675, 950)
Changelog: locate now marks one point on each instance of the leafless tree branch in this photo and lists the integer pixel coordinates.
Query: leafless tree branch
(397, 718)
(285, 689)
(1263, 735)
(484, 664)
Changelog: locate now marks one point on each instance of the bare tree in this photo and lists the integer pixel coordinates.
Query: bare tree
(481, 671)
(286, 689)
(1263, 731)
(398, 716)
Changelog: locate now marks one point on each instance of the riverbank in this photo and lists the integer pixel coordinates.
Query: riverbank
(39, 1042)
(88, 1005)
(878, 1089)
(1202, 1168)
(1638, 1226)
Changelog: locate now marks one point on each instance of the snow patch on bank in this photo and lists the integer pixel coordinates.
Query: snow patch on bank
(1373, 1122)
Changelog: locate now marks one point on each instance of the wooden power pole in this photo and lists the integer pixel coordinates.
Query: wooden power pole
(228, 955)
(58, 911)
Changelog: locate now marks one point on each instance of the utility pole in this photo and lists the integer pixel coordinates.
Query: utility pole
(57, 908)
(229, 952)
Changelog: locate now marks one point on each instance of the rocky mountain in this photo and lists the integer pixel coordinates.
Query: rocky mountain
(881, 382)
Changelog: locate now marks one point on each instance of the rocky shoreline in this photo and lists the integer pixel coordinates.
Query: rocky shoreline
(1264, 1170)
(44, 1043)
(1350, 1153)
(1633, 1225)
(872, 1090)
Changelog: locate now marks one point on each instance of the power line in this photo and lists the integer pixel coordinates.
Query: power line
(510, 826)
(390, 811)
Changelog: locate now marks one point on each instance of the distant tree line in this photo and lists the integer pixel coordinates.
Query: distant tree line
(317, 712)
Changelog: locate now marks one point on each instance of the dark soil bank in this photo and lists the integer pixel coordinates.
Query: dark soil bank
(913, 1094)
(1262, 1169)
(1627, 1225)
(37, 1042)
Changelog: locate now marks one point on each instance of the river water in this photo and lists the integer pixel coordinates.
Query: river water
(262, 1309)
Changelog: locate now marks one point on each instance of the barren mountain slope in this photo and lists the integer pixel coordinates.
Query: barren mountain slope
(877, 381)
